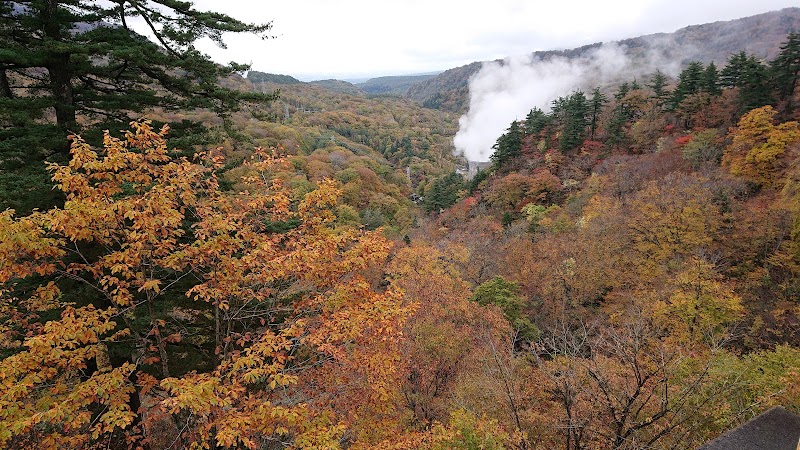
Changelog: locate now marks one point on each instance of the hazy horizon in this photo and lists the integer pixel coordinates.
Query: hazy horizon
(358, 39)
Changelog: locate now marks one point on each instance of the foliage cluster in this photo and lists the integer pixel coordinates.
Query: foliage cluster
(625, 276)
(656, 257)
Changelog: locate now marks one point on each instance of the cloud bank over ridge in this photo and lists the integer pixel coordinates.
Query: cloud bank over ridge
(503, 91)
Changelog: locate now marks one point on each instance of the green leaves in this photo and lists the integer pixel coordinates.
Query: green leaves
(508, 146)
(87, 64)
(505, 295)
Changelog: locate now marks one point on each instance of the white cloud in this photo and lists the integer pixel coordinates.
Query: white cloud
(505, 91)
(361, 37)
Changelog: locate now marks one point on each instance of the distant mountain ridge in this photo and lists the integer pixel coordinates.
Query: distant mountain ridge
(397, 86)
(393, 85)
(261, 77)
(760, 35)
(342, 87)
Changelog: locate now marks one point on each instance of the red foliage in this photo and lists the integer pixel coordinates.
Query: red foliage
(683, 140)
(460, 212)
(590, 146)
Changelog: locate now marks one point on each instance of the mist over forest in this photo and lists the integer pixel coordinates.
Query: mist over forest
(588, 248)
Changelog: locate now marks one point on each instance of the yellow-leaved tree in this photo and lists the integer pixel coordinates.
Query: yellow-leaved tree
(698, 306)
(670, 221)
(105, 301)
(758, 150)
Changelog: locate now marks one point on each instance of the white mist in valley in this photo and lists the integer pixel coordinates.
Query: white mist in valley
(503, 91)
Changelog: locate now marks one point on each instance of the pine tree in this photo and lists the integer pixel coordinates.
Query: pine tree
(597, 102)
(576, 112)
(536, 121)
(477, 180)
(622, 91)
(710, 80)
(731, 75)
(443, 192)
(786, 70)
(620, 116)
(557, 110)
(754, 88)
(658, 84)
(508, 146)
(690, 81)
(65, 60)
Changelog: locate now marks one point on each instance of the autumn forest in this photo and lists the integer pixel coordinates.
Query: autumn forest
(194, 256)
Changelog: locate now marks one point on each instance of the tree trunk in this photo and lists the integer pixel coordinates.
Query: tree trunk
(162, 350)
(5, 86)
(60, 74)
(61, 87)
(217, 334)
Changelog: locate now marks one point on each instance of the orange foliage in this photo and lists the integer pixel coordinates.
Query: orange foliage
(324, 362)
(515, 190)
(458, 349)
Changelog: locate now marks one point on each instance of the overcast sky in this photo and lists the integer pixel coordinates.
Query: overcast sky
(317, 39)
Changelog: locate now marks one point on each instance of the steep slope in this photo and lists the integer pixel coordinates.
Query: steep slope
(448, 91)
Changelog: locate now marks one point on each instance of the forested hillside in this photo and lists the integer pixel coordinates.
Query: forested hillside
(397, 85)
(263, 263)
(644, 248)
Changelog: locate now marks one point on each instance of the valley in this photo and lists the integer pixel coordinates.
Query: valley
(261, 262)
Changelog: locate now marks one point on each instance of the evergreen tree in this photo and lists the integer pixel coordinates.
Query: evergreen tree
(710, 80)
(575, 113)
(477, 180)
(508, 146)
(507, 219)
(658, 84)
(65, 60)
(597, 102)
(536, 121)
(731, 75)
(443, 192)
(505, 295)
(557, 109)
(622, 91)
(690, 81)
(620, 116)
(616, 126)
(786, 70)
(754, 87)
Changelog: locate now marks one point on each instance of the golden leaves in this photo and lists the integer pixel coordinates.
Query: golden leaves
(25, 249)
(43, 386)
(758, 147)
(672, 219)
(699, 305)
(135, 223)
